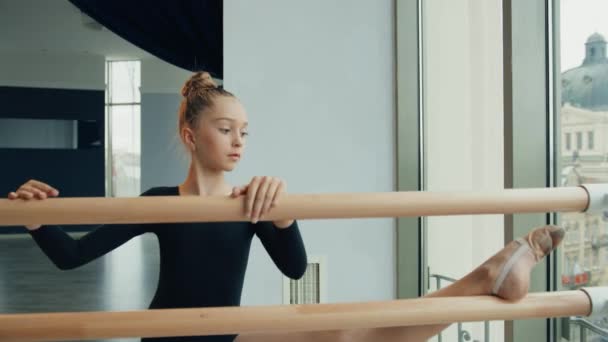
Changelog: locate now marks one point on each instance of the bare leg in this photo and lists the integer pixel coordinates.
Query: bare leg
(479, 282)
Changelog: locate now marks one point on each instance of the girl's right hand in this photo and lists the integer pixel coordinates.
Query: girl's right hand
(33, 189)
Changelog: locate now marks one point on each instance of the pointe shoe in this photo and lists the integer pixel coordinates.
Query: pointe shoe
(539, 242)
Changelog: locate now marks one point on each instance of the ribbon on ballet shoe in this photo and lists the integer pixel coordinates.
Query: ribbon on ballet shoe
(523, 248)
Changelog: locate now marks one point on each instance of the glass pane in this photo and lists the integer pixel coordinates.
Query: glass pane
(582, 147)
(38, 133)
(125, 78)
(463, 142)
(126, 150)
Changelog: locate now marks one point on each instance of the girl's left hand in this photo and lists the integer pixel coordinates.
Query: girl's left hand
(263, 194)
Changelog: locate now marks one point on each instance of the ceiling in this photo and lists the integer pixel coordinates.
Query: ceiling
(57, 26)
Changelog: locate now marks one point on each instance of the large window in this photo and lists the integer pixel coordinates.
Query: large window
(123, 109)
(463, 143)
(123, 150)
(583, 115)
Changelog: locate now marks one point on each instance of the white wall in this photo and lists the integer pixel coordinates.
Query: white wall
(159, 77)
(52, 70)
(317, 80)
(464, 132)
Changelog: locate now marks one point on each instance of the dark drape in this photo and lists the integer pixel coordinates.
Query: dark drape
(185, 33)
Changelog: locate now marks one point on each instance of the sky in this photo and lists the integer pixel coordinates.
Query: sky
(579, 19)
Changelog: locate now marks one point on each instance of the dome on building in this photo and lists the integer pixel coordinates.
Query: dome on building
(596, 37)
(587, 85)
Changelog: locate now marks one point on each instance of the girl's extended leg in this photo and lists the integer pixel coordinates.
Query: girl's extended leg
(506, 275)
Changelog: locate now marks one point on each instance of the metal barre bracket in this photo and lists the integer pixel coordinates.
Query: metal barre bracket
(598, 197)
(599, 301)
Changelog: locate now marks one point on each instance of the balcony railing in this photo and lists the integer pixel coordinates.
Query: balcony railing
(463, 335)
(581, 329)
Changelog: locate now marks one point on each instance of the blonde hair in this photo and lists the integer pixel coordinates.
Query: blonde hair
(199, 92)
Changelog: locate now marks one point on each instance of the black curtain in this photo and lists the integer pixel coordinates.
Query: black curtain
(185, 33)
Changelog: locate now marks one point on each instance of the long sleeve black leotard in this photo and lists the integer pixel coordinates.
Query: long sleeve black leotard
(201, 264)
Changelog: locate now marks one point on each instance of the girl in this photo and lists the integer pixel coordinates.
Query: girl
(203, 264)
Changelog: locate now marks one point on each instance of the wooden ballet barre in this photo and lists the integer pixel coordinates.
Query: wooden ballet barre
(309, 317)
(162, 209)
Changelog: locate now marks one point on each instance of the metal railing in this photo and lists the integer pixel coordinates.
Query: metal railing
(463, 335)
(587, 331)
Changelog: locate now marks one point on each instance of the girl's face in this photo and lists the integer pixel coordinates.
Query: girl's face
(218, 141)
